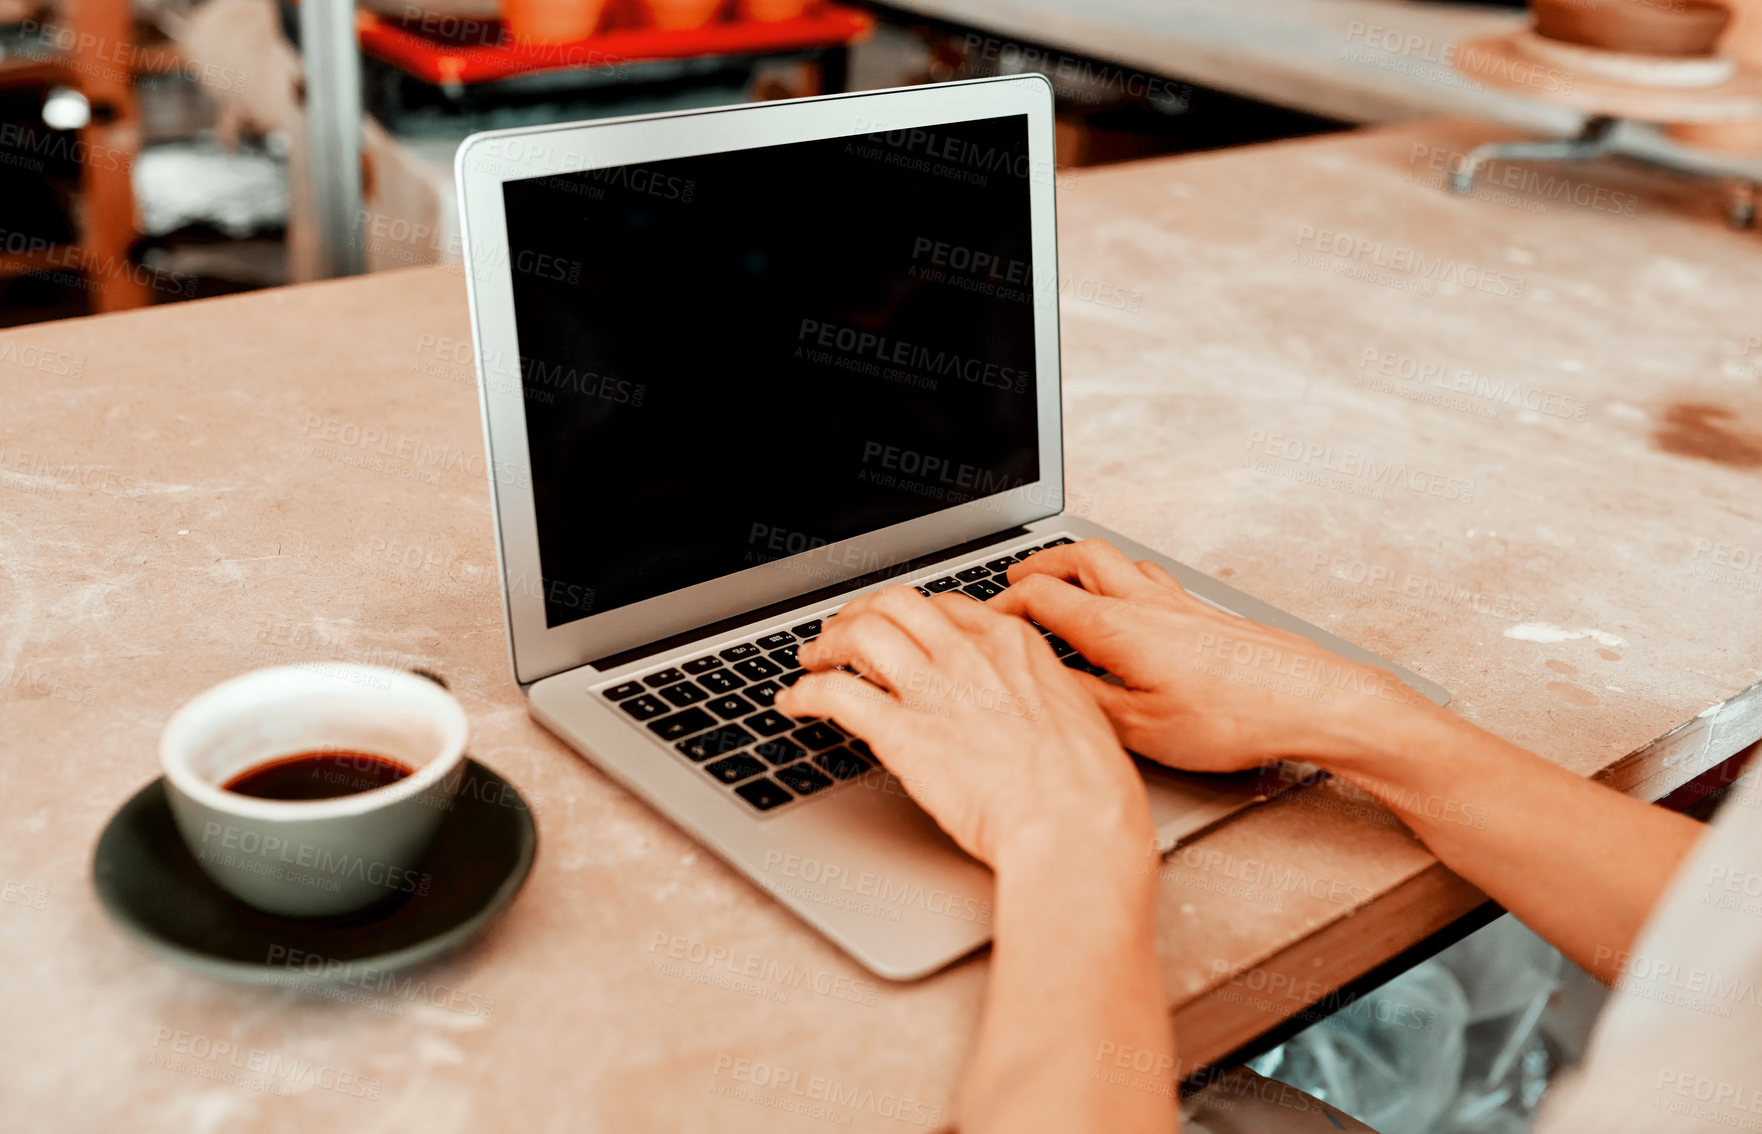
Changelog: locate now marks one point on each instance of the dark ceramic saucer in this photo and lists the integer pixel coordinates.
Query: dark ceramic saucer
(156, 893)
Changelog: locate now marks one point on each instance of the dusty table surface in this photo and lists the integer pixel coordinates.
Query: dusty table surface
(1512, 442)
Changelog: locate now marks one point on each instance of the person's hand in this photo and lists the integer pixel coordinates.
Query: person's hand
(975, 715)
(1203, 690)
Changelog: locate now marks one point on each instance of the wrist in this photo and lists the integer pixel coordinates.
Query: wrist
(1389, 746)
(1110, 858)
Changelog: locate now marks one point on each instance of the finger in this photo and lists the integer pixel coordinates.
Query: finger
(924, 620)
(1080, 618)
(1096, 565)
(1159, 575)
(870, 643)
(990, 629)
(854, 703)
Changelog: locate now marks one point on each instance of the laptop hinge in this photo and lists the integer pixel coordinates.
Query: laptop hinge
(712, 629)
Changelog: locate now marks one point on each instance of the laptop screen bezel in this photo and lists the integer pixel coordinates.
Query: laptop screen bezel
(486, 161)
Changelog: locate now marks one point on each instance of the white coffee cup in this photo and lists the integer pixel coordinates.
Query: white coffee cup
(316, 857)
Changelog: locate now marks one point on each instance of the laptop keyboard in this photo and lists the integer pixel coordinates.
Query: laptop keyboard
(718, 712)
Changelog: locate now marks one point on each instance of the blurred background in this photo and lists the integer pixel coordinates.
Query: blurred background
(154, 151)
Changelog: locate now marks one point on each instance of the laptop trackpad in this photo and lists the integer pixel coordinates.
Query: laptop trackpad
(1182, 804)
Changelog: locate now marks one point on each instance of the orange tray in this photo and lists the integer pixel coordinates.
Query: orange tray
(498, 55)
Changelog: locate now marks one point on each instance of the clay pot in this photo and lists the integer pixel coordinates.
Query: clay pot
(552, 21)
(677, 15)
(1634, 27)
(772, 11)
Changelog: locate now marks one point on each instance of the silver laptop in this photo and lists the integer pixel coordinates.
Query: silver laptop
(737, 367)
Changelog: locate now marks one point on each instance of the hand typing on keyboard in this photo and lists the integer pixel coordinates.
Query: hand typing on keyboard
(1202, 690)
(975, 714)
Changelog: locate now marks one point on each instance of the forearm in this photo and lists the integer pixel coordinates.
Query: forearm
(1581, 864)
(1075, 1035)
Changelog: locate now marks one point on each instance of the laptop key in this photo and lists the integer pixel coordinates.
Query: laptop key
(999, 580)
(731, 706)
(763, 794)
(716, 742)
(770, 722)
(785, 657)
(861, 748)
(628, 689)
(643, 707)
(843, 763)
(983, 589)
(926, 591)
(734, 768)
(820, 734)
(1000, 565)
(972, 573)
(946, 583)
(791, 677)
(721, 681)
(684, 693)
(1059, 646)
(664, 677)
(744, 650)
(763, 694)
(773, 641)
(1057, 542)
(683, 723)
(807, 629)
(804, 779)
(780, 750)
(757, 668)
(702, 665)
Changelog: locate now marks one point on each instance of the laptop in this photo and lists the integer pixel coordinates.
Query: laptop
(738, 366)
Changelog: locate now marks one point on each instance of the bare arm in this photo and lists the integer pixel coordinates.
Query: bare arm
(1076, 1033)
(1579, 863)
(1001, 745)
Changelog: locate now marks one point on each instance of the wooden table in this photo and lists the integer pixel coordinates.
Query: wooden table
(189, 492)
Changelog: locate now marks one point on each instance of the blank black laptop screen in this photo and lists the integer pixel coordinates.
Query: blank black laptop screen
(733, 358)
